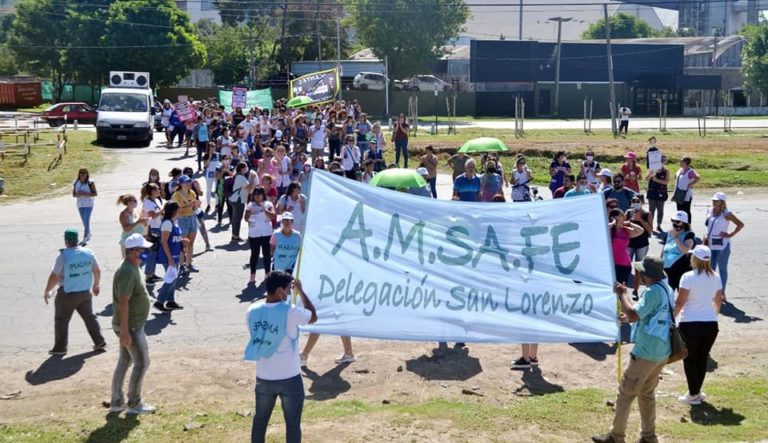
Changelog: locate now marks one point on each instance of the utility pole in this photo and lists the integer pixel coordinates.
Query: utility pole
(251, 61)
(559, 21)
(319, 48)
(611, 90)
(386, 86)
(520, 22)
(338, 53)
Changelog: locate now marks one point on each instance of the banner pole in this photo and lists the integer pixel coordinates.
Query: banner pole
(618, 345)
(297, 271)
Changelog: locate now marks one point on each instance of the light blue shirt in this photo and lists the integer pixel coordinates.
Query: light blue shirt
(575, 193)
(650, 334)
(672, 253)
(77, 269)
(267, 326)
(286, 250)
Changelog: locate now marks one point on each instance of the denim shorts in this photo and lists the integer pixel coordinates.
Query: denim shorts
(188, 225)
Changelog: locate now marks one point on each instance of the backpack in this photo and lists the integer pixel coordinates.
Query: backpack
(229, 184)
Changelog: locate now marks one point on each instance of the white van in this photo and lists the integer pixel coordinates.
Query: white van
(125, 114)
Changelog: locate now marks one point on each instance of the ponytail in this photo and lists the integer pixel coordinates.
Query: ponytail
(125, 199)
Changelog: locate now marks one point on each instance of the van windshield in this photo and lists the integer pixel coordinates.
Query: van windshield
(123, 102)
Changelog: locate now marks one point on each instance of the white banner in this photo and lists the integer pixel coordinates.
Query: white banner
(384, 264)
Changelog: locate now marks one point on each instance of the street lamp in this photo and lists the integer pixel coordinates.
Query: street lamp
(559, 21)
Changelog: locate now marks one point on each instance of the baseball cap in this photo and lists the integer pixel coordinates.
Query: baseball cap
(71, 234)
(680, 216)
(606, 173)
(184, 179)
(286, 216)
(137, 241)
(278, 134)
(719, 196)
(422, 171)
(702, 252)
(166, 101)
(630, 155)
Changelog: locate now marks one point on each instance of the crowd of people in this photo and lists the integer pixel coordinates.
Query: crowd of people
(254, 165)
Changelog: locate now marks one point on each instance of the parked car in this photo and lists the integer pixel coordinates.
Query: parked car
(426, 83)
(371, 81)
(58, 114)
(158, 116)
(398, 85)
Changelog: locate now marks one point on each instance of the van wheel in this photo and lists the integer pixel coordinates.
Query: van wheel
(364, 86)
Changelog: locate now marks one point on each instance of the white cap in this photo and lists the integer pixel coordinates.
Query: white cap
(680, 216)
(286, 216)
(278, 134)
(422, 171)
(136, 241)
(606, 173)
(719, 196)
(166, 101)
(702, 252)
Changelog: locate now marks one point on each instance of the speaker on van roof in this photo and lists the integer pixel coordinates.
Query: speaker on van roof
(125, 79)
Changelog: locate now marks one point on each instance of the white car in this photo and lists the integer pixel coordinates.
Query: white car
(426, 83)
(371, 81)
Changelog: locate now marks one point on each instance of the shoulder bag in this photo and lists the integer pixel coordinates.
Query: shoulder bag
(678, 349)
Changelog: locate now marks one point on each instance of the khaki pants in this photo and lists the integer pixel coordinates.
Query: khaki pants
(639, 380)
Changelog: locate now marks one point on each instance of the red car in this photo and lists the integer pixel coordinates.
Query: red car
(71, 111)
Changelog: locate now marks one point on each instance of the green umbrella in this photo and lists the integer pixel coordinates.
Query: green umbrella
(483, 144)
(299, 101)
(398, 178)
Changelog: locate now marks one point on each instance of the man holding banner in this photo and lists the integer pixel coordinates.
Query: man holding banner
(651, 316)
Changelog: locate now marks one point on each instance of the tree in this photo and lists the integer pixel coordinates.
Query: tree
(235, 12)
(754, 57)
(622, 26)
(410, 34)
(228, 49)
(8, 64)
(162, 42)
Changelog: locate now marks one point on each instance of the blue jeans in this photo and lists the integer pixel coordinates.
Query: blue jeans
(168, 290)
(720, 260)
(85, 216)
(433, 186)
(401, 146)
(151, 263)
(291, 393)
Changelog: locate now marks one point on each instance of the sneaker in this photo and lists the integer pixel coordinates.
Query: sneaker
(100, 347)
(208, 209)
(521, 363)
(160, 306)
(303, 360)
(55, 352)
(192, 268)
(141, 409)
(658, 228)
(689, 399)
(345, 358)
(605, 438)
(534, 361)
(116, 409)
(702, 395)
(172, 305)
(182, 269)
(154, 279)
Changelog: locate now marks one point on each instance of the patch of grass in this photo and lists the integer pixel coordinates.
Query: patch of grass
(736, 412)
(723, 160)
(43, 173)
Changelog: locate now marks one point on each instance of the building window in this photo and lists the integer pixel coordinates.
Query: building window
(208, 5)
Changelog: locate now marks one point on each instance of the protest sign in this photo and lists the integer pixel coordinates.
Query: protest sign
(391, 265)
(321, 87)
(257, 98)
(654, 160)
(185, 111)
(239, 97)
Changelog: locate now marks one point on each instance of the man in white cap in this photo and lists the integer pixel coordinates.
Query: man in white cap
(132, 308)
(423, 190)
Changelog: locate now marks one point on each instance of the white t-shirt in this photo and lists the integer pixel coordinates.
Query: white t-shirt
(83, 201)
(210, 171)
(283, 172)
(247, 125)
(683, 181)
(624, 114)
(149, 205)
(259, 224)
(349, 156)
(318, 136)
(285, 362)
(253, 179)
(226, 145)
(239, 189)
(701, 292)
(716, 225)
(264, 126)
(294, 207)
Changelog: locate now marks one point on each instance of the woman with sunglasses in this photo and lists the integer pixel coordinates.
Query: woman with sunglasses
(84, 190)
(638, 246)
(678, 243)
(294, 202)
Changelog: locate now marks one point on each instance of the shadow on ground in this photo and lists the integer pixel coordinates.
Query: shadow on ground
(739, 316)
(708, 415)
(534, 383)
(445, 364)
(57, 367)
(115, 430)
(327, 386)
(595, 351)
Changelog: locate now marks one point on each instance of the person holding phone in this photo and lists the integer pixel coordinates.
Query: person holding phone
(719, 236)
